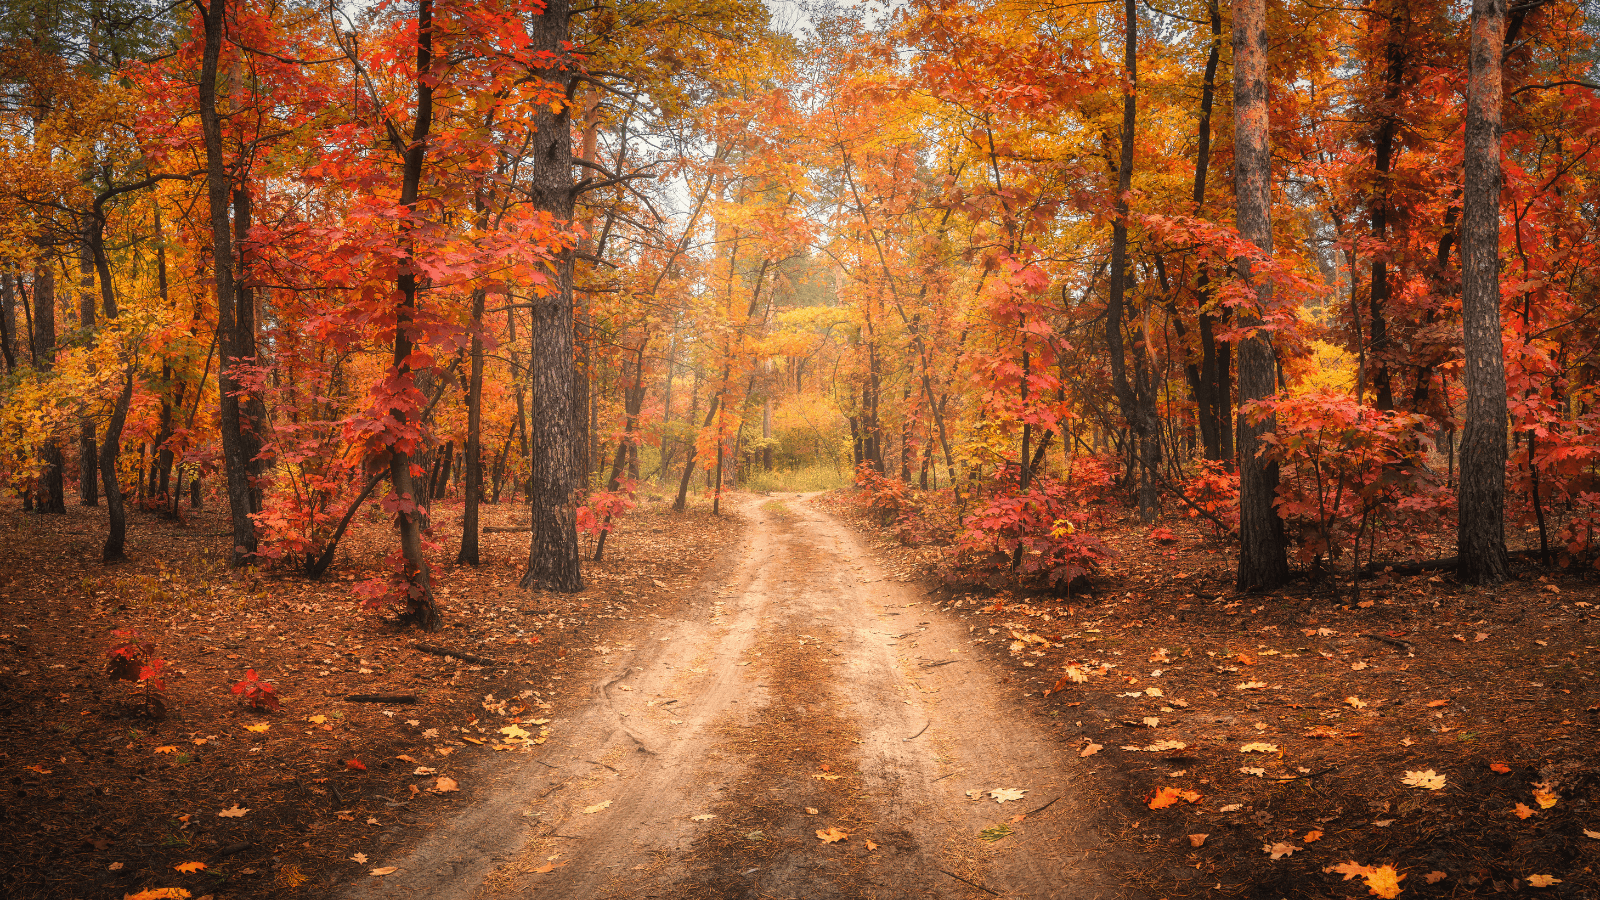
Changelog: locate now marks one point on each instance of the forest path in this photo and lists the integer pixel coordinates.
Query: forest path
(801, 692)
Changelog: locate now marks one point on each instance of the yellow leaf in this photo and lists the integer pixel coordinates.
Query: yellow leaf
(167, 749)
(1385, 882)
(258, 728)
(1542, 880)
(386, 870)
(1546, 799)
(1350, 869)
(189, 868)
(1427, 778)
(316, 720)
(871, 846)
(597, 807)
(1259, 748)
(831, 835)
(233, 813)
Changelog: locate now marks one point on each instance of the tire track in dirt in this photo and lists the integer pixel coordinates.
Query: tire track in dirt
(803, 681)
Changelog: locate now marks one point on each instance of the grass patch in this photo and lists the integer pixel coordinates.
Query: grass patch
(798, 480)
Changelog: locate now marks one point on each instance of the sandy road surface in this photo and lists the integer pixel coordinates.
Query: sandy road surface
(799, 692)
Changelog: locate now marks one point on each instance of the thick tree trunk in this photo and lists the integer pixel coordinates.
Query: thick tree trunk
(553, 559)
(252, 408)
(1263, 547)
(219, 189)
(8, 322)
(1480, 531)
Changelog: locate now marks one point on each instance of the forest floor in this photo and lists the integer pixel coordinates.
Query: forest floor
(773, 704)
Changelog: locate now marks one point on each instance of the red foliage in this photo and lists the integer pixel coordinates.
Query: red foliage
(1046, 523)
(259, 694)
(132, 659)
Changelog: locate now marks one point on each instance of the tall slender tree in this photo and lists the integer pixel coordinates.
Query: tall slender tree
(1480, 531)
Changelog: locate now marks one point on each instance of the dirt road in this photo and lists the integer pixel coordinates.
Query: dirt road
(802, 692)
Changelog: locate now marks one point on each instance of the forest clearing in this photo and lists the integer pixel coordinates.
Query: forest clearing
(758, 448)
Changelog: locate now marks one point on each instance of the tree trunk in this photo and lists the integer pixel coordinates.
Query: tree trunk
(1263, 546)
(236, 463)
(474, 453)
(117, 533)
(88, 468)
(688, 465)
(252, 408)
(421, 610)
(1134, 400)
(52, 488)
(553, 560)
(1480, 531)
(8, 322)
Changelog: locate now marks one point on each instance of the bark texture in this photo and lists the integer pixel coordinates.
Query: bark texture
(1263, 547)
(553, 560)
(52, 489)
(1480, 531)
(219, 194)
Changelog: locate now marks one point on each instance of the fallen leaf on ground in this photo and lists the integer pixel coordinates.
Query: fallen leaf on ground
(603, 804)
(1385, 882)
(1349, 869)
(1001, 795)
(40, 769)
(1356, 702)
(167, 749)
(1259, 748)
(355, 765)
(1542, 880)
(1499, 768)
(1480, 636)
(1523, 811)
(1435, 877)
(871, 846)
(823, 776)
(1592, 835)
(159, 894)
(358, 858)
(1196, 840)
(1545, 797)
(831, 835)
(446, 784)
(189, 868)
(233, 813)
(1164, 798)
(317, 720)
(1280, 849)
(812, 811)
(386, 870)
(549, 867)
(1436, 703)
(1312, 836)
(702, 817)
(258, 728)
(1231, 807)
(1427, 778)
(1091, 750)
(1251, 686)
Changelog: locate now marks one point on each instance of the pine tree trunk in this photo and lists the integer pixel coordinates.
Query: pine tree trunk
(236, 462)
(1480, 531)
(553, 559)
(1263, 548)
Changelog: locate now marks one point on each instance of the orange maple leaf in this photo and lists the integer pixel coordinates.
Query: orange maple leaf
(1165, 798)
(1385, 882)
(831, 835)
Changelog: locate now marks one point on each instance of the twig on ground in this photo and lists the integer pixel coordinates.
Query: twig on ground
(919, 733)
(1044, 807)
(454, 654)
(973, 883)
(942, 662)
(381, 698)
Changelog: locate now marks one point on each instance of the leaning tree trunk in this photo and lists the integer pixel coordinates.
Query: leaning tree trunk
(421, 610)
(553, 560)
(474, 452)
(1480, 531)
(219, 189)
(117, 533)
(1263, 546)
